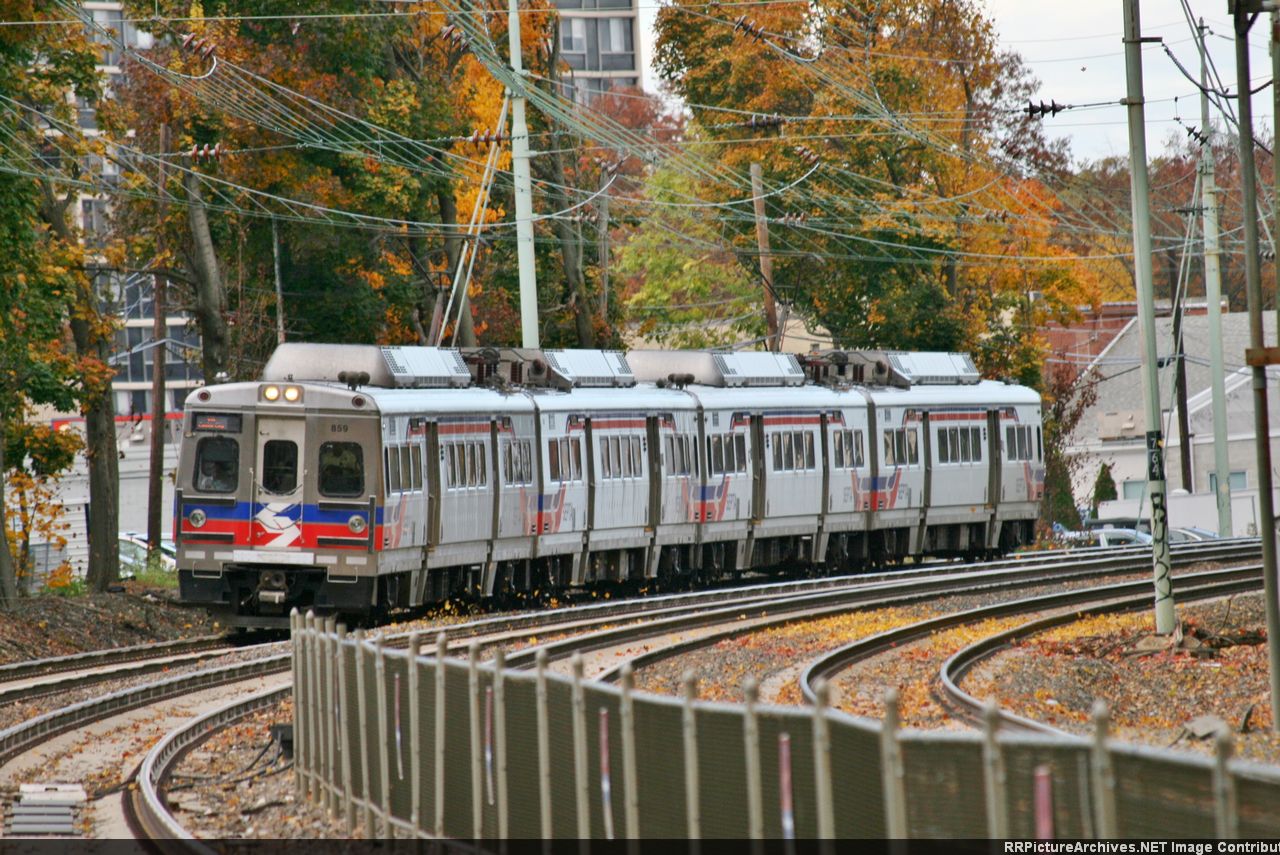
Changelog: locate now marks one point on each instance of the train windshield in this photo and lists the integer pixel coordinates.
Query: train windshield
(279, 466)
(217, 465)
(341, 469)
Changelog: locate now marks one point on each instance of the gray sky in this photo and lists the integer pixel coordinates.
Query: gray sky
(1074, 48)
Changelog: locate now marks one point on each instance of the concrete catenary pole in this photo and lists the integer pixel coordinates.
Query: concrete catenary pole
(1140, 190)
(1213, 295)
(1256, 356)
(159, 336)
(523, 191)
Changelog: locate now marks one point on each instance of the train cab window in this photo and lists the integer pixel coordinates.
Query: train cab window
(847, 449)
(517, 462)
(341, 469)
(280, 466)
(217, 465)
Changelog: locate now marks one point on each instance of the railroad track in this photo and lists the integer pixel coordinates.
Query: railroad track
(798, 596)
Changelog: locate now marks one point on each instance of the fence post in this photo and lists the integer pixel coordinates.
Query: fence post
(328, 709)
(692, 786)
(315, 748)
(442, 651)
(348, 729)
(1044, 802)
(415, 723)
(606, 775)
(500, 738)
(384, 749)
(630, 777)
(822, 765)
(581, 786)
(1224, 789)
(895, 797)
(299, 701)
(993, 774)
(477, 749)
(1104, 783)
(362, 710)
(751, 745)
(544, 746)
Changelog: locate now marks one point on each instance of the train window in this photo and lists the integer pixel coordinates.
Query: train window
(605, 470)
(635, 456)
(900, 446)
(718, 459)
(975, 443)
(482, 468)
(615, 456)
(470, 449)
(1011, 444)
(889, 459)
(406, 469)
(553, 460)
(964, 446)
(1039, 448)
(730, 463)
(577, 459)
(810, 461)
(913, 446)
(944, 448)
(1024, 453)
(341, 469)
(837, 450)
(280, 466)
(391, 469)
(217, 464)
(858, 458)
(508, 473)
(415, 464)
(740, 443)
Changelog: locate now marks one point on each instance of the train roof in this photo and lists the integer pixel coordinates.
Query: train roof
(429, 401)
(983, 393)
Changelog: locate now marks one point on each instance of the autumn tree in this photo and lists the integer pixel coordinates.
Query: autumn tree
(49, 280)
(1104, 488)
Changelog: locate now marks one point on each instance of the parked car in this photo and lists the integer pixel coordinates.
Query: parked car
(133, 554)
(1191, 534)
(1120, 537)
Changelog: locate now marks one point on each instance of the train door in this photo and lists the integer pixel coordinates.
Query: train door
(758, 457)
(277, 483)
(995, 465)
(653, 438)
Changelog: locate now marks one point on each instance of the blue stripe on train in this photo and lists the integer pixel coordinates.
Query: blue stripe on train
(245, 511)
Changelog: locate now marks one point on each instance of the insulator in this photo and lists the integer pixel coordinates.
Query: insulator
(294, 27)
(187, 39)
(208, 50)
(194, 154)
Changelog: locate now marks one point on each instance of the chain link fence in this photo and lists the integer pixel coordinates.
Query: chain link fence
(420, 743)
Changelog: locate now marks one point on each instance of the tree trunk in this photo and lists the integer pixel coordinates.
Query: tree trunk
(571, 258)
(8, 575)
(211, 296)
(102, 455)
(94, 341)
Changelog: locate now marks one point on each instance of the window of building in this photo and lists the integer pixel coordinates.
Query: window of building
(573, 35)
(615, 35)
(1133, 489)
(1237, 480)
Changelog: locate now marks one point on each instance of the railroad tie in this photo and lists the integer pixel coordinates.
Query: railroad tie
(43, 810)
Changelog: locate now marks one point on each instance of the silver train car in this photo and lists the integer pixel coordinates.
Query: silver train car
(356, 479)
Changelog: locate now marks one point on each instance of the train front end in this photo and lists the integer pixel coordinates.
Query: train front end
(276, 501)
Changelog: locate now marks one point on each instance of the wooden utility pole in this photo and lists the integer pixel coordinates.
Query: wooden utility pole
(1243, 15)
(275, 252)
(159, 338)
(773, 338)
(1180, 395)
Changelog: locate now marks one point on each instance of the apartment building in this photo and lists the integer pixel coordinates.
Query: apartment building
(599, 41)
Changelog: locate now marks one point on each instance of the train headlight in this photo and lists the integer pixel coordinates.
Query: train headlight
(196, 518)
(356, 524)
(271, 393)
(292, 394)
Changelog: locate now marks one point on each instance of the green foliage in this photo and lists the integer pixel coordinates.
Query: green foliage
(678, 287)
(1104, 488)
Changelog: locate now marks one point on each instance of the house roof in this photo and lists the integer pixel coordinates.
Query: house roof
(1120, 391)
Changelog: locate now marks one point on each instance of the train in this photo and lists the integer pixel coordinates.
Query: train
(362, 479)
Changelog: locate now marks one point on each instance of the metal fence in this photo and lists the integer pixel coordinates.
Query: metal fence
(401, 744)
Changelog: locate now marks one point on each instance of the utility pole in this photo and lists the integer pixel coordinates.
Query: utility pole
(1257, 356)
(275, 252)
(606, 175)
(1213, 295)
(1180, 393)
(159, 335)
(1140, 190)
(523, 181)
(766, 261)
